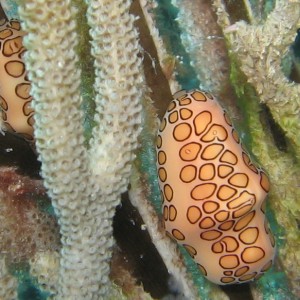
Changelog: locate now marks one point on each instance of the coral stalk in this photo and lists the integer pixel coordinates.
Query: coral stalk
(119, 86)
(84, 186)
(51, 62)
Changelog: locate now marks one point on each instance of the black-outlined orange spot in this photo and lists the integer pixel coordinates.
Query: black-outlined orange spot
(166, 212)
(185, 113)
(185, 101)
(202, 269)
(163, 124)
(243, 199)
(217, 247)
(229, 261)
(252, 254)
(241, 271)
(191, 250)
(173, 117)
(210, 206)
(3, 103)
(172, 212)
(5, 33)
(244, 203)
(23, 90)
(188, 173)
(226, 225)
(244, 221)
(242, 211)
(222, 215)
(235, 135)
(249, 235)
(224, 170)
(228, 273)
(225, 192)
(162, 173)
(203, 191)
(248, 163)
(168, 192)
(227, 119)
(27, 110)
(215, 132)
(182, 132)
(206, 223)
(193, 214)
(190, 151)
(162, 157)
(201, 121)
(178, 235)
(207, 172)
(264, 182)
(199, 96)
(158, 141)
(229, 157)
(227, 279)
(12, 46)
(239, 180)
(15, 68)
(210, 235)
(212, 151)
(230, 243)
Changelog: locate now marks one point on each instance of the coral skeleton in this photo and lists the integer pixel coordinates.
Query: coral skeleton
(84, 185)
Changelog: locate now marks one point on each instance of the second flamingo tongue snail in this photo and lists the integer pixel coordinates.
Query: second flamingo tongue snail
(15, 98)
(213, 195)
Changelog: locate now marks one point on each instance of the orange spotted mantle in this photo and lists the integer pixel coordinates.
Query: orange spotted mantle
(14, 86)
(213, 195)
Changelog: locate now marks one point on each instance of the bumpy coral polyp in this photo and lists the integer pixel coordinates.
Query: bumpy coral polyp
(213, 195)
(14, 86)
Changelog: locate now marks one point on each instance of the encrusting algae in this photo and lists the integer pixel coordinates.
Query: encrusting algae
(95, 113)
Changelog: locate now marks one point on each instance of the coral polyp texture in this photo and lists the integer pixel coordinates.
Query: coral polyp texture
(84, 185)
(213, 195)
(15, 97)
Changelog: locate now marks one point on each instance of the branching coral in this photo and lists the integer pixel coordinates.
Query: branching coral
(259, 49)
(119, 84)
(84, 185)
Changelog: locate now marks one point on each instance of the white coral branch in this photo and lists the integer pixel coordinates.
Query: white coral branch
(84, 186)
(119, 86)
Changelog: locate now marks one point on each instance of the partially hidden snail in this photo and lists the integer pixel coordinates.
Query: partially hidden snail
(213, 195)
(15, 96)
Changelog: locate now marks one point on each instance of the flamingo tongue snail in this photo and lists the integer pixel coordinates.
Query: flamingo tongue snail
(14, 86)
(213, 195)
